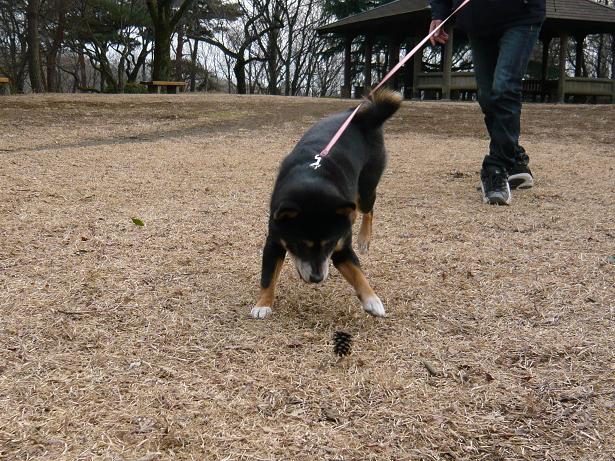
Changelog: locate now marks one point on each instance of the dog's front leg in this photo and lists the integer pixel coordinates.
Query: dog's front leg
(347, 263)
(273, 258)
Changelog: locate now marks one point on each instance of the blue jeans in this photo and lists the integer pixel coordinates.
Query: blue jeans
(500, 62)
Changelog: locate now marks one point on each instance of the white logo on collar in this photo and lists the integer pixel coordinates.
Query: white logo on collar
(316, 164)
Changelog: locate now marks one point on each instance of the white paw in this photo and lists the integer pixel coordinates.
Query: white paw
(260, 312)
(374, 306)
(363, 246)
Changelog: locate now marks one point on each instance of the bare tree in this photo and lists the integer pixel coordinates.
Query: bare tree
(291, 51)
(114, 35)
(236, 43)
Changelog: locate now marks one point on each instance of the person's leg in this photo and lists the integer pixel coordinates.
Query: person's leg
(485, 58)
(485, 54)
(515, 47)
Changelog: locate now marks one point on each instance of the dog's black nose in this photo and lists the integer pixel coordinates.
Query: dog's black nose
(316, 278)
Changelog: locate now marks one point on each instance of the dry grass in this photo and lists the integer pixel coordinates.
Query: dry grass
(124, 342)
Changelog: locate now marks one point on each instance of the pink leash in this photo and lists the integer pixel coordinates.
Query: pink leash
(341, 130)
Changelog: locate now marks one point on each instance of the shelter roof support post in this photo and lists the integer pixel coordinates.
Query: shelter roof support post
(367, 70)
(447, 66)
(394, 44)
(546, 41)
(409, 73)
(347, 66)
(561, 85)
(417, 67)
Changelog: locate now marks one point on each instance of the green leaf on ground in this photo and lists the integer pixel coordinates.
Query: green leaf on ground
(610, 259)
(138, 222)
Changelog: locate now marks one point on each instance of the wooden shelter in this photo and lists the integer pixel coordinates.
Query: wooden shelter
(407, 21)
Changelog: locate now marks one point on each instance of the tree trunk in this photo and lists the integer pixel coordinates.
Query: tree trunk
(287, 83)
(346, 90)
(162, 55)
(579, 56)
(240, 75)
(54, 48)
(272, 61)
(13, 55)
(83, 81)
(599, 56)
(34, 47)
(120, 74)
(52, 83)
(144, 72)
(140, 64)
(21, 64)
(193, 60)
(76, 78)
(179, 54)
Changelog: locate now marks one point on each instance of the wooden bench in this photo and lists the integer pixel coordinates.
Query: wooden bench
(171, 87)
(5, 85)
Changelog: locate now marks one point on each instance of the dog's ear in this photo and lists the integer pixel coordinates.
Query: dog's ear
(286, 210)
(346, 209)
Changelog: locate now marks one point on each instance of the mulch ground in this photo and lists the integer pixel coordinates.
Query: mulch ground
(127, 342)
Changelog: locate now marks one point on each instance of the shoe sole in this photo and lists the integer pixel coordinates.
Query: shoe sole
(496, 201)
(521, 181)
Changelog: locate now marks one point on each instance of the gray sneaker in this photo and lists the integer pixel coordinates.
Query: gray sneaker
(520, 176)
(494, 183)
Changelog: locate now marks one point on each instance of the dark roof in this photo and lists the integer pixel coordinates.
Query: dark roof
(380, 15)
(582, 10)
(578, 17)
(572, 16)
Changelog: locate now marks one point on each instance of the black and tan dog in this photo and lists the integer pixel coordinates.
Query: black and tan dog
(314, 204)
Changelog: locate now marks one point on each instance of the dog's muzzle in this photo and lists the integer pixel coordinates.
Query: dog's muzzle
(311, 273)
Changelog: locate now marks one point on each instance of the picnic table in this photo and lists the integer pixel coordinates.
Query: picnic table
(156, 86)
(5, 87)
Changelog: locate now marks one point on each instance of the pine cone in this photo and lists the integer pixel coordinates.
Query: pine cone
(342, 343)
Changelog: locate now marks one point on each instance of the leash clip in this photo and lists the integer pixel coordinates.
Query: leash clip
(316, 164)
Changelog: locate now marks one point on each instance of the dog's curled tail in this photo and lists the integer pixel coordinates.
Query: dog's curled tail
(383, 104)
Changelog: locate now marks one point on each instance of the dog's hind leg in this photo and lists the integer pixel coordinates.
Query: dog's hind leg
(273, 258)
(347, 263)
